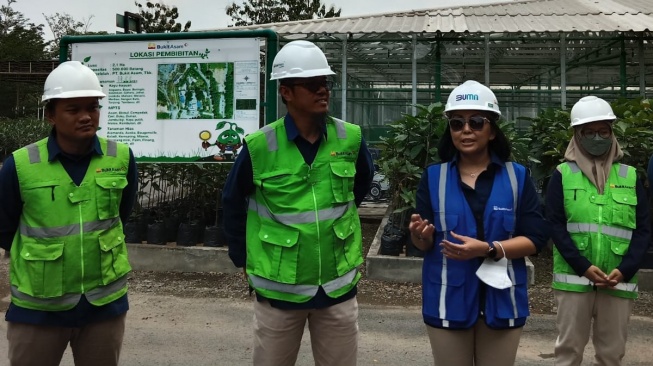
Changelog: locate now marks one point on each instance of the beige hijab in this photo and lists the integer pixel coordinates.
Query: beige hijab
(595, 168)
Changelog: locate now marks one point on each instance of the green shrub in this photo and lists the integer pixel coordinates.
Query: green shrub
(410, 146)
(16, 133)
(550, 133)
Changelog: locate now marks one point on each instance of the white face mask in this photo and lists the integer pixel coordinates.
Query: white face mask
(495, 273)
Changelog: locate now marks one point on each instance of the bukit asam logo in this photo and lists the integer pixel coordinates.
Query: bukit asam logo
(168, 46)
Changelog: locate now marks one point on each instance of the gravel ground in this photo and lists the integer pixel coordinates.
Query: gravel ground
(372, 292)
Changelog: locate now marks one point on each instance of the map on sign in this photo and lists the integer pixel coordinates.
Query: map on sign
(195, 91)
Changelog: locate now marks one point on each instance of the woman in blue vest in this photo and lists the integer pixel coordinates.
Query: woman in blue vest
(600, 227)
(478, 217)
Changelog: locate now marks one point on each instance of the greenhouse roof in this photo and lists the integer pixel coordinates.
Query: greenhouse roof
(517, 16)
(565, 45)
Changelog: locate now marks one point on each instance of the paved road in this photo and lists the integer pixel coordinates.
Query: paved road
(172, 331)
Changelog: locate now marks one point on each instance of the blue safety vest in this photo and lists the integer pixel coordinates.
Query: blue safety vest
(451, 289)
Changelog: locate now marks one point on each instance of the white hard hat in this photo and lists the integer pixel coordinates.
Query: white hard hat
(300, 59)
(472, 95)
(590, 109)
(71, 79)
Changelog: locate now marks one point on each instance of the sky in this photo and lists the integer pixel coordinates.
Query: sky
(204, 14)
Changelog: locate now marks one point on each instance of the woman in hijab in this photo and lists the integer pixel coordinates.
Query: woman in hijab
(599, 220)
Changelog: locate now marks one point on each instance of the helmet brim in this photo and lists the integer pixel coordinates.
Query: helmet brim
(74, 94)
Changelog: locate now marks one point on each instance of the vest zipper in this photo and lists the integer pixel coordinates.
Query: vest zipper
(81, 239)
(599, 240)
(319, 240)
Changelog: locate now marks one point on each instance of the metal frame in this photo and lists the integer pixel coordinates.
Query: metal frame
(384, 73)
(272, 46)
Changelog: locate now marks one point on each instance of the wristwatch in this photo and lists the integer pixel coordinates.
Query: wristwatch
(492, 251)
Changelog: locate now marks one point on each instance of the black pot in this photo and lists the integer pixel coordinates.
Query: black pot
(187, 234)
(213, 236)
(141, 229)
(392, 240)
(156, 233)
(131, 232)
(171, 227)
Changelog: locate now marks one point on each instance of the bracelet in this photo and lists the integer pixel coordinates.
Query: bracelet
(501, 246)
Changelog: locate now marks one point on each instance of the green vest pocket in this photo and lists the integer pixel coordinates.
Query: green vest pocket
(113, 256)
(348, 255)
(342, 180)
(279, 243)
(43, 274)
(623, 209)
(108, 195)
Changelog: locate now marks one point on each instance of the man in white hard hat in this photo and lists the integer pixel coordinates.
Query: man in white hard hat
(600, 227)
(62, 203)
(290, 210)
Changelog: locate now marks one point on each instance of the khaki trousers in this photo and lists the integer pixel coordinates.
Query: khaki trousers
(477, 346)
(576, 310)
(278, 334)
(96, 344)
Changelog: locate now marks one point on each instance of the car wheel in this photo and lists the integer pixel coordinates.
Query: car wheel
(375, 191)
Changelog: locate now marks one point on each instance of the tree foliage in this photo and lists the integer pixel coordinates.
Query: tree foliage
(19, 40)
(160, 18)
(274, 11)
(63, 24)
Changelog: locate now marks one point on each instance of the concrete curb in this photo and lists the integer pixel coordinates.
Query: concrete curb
(162, 258)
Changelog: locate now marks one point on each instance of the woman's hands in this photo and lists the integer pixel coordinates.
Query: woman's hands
(468, 249)
(421, 232)
(601, 279)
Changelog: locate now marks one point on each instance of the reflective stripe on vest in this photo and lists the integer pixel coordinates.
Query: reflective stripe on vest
(579, 227)
(271, 136)
(72, 299)
(442, 194)
(303, 290)
(331, 213)
(584, 281)
(623, 169)
(511, 271)
(510, 169)
(35, 156)
(53, 232)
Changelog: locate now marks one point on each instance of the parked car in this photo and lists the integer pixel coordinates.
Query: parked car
(379, 188)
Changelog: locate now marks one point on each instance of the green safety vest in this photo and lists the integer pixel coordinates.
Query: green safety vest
(303, 229)
(70, 238)
(601, 226)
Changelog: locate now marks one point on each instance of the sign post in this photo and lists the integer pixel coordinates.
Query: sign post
(129, 22)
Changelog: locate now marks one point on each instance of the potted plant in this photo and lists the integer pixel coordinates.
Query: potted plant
(410, 146)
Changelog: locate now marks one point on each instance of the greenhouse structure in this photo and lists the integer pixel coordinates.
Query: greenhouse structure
(533, 54)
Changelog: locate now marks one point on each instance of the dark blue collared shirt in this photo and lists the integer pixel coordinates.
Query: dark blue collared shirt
(240, 185)
(11, 207)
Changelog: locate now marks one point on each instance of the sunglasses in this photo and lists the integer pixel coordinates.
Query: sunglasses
(475, 123)
(314, 85)
(590, 134)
